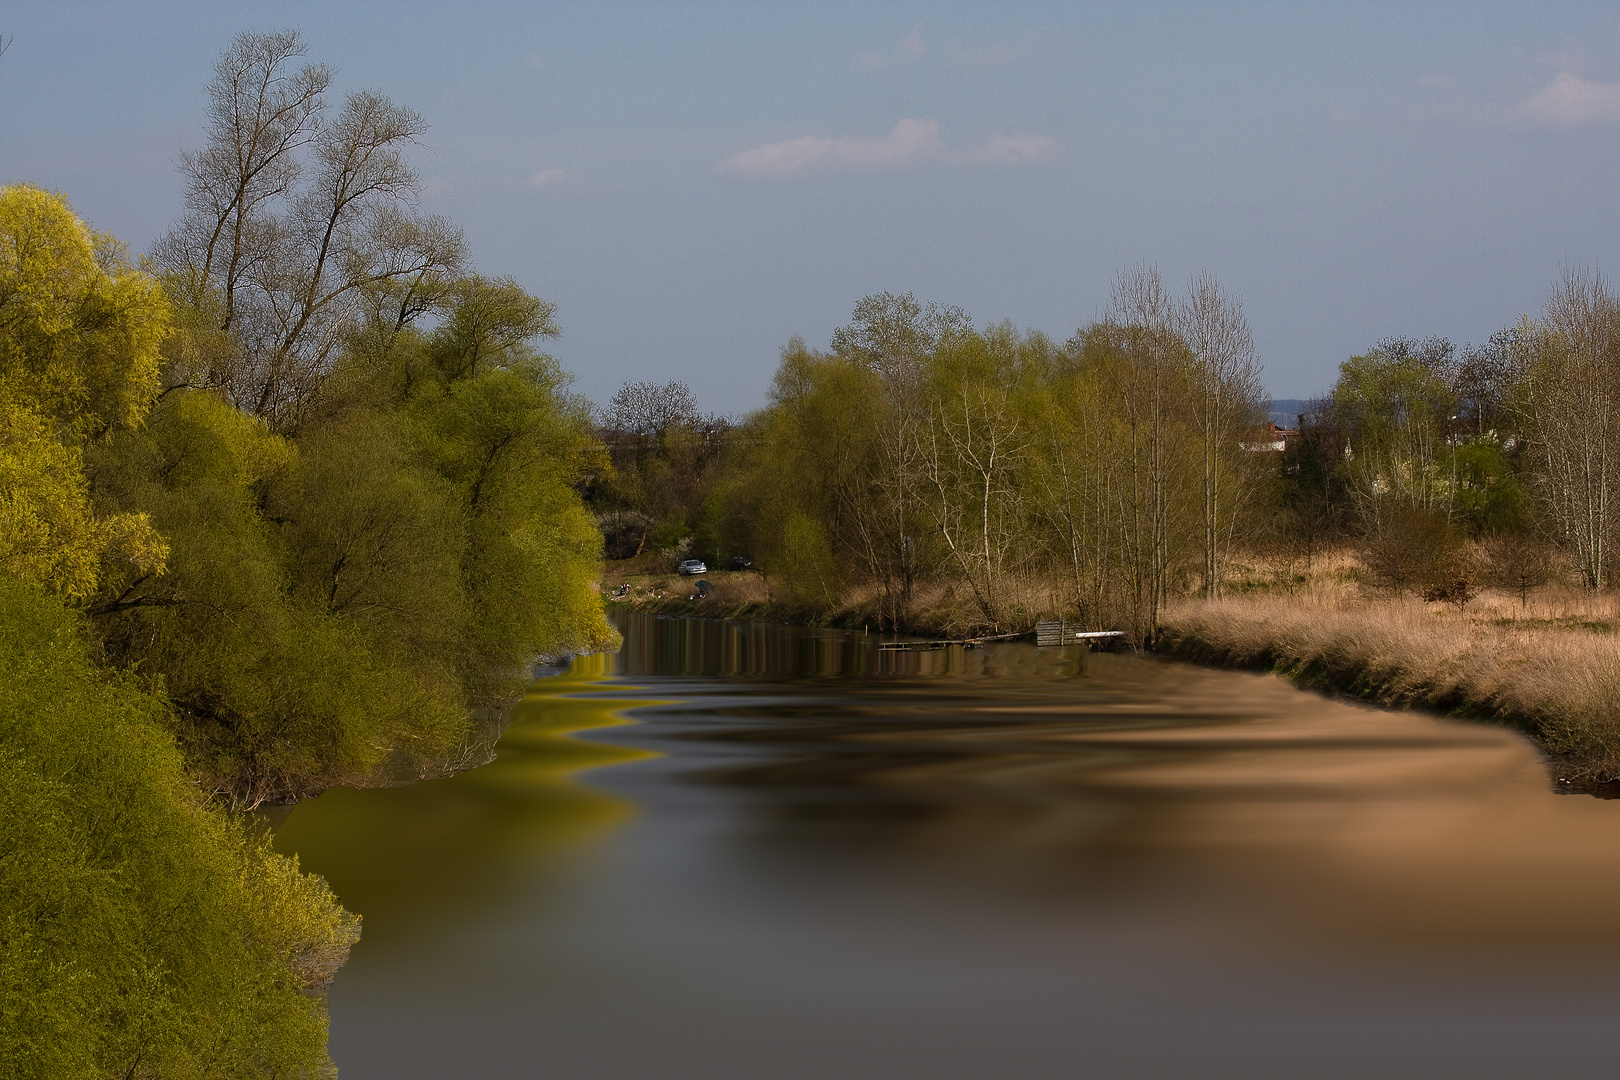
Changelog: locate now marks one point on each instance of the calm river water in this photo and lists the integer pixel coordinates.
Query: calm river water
(736, 851)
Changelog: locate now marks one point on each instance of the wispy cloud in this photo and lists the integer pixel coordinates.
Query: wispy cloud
(548, 176)
(910, 143)
(1572, 100)
(911, 46)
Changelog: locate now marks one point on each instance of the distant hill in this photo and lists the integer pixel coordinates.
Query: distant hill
(1285, 411)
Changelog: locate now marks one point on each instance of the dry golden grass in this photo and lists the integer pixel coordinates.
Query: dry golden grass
(1551, 668)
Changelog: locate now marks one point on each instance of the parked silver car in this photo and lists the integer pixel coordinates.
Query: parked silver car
(692, 566)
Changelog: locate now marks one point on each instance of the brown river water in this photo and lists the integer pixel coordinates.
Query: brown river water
(740, 851)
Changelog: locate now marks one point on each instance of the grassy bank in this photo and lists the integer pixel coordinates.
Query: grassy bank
(1549, 667)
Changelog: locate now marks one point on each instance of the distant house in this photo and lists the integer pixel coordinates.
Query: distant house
(1272, 438)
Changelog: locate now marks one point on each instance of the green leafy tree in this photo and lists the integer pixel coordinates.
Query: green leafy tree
(79, 356)
(141, 934)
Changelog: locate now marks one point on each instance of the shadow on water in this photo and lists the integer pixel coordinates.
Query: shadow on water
(735, 850)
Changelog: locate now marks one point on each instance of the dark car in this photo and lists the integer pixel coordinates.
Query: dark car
(691, 566)
(738, 562)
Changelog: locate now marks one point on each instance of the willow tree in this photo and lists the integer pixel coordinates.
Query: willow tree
(814, 454)
(80, 329)
(141, 934)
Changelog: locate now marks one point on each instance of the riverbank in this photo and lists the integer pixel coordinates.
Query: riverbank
(1548, 666)
(935, 610)
(1550, 669)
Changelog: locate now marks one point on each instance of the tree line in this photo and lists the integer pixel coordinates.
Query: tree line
(1100, 475)
(922, 471)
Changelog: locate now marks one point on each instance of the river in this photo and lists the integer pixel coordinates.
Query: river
(738, 851)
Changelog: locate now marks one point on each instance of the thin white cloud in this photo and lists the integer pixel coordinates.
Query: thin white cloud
(909, 143)
(1572, 100)
(1010, 149)
(534, 61)
(548, 176)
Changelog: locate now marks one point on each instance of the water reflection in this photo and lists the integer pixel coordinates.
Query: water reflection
(813, 858)
(416, 858)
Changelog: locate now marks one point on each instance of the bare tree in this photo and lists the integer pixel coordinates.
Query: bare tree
(1569, 365)
(1482, 378)
(282, 266)
(1226, 399)
(645, 408)
(895, 337)
(1148, 381)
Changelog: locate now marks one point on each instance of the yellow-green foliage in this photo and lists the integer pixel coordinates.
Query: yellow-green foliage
(510, 456)
(140, 934)
(291, 677)
(1020, 475)
(80, 329)
(79, 337)
(336, 599)
(316, 602)
(805, 562)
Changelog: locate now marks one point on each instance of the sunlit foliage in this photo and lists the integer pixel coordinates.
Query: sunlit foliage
(79, 336)
(1023, 476)
(140, 933)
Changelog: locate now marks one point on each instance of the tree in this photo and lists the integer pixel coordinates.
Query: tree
(1568, 365)
(1226, 399)
(1483, 382)
(282, 267)
(489, 322)
(80, 327)
(1148, 366)
(1395, 404)
(894, 337)
(644, 408)
(79, 336)
(976, 442)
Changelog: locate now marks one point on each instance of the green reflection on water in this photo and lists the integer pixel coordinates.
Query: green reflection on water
(462, 841)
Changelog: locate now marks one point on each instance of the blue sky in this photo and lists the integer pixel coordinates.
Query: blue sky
(692, 184)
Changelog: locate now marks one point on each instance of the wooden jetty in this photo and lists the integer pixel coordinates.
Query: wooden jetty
(1057, 632)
